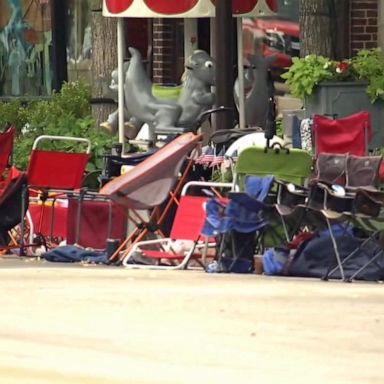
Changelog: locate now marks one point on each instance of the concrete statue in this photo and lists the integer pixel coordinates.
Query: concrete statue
(141, 106)
(257, 98)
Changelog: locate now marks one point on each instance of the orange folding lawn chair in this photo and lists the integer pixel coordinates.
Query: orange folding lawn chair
(152, 187)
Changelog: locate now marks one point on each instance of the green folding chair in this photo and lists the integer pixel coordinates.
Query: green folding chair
(287, 165)
(292, 165)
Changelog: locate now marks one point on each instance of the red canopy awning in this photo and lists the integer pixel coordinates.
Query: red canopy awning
(183, 8)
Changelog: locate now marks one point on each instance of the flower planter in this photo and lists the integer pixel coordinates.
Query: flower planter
(343, 99)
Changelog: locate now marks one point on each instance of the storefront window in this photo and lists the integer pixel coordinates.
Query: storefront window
(79, 40)
(25, 48)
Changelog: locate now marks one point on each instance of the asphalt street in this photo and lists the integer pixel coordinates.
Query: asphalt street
(102, 324)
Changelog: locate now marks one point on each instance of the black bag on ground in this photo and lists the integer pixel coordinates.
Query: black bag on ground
(315, 255)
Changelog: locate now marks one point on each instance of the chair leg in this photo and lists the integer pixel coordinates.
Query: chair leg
(337, 255)
(22, 224)
(374, 258)
(366, 241)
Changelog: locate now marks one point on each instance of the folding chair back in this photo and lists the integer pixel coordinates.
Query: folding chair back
(6, 145)
(189, 218)
(293, 165)
(350, 134)
(330, 167)
(148, 184)
(62, 170)
(362, 171)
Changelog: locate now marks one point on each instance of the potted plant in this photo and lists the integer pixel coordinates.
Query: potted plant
(341, 88)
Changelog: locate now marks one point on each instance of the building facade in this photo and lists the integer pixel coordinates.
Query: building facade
(44, 42)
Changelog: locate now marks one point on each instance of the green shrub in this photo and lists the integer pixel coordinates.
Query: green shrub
(68, 113)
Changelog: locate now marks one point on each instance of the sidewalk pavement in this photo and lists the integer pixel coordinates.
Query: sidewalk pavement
(103, 324)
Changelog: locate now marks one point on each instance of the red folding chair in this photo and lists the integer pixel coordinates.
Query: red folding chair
(350, 134)
(185, 241)
(6, 146)
(51, 174)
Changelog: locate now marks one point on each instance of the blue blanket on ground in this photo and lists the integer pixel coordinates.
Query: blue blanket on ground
(73, 254)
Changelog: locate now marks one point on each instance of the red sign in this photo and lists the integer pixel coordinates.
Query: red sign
(118, 6)
(170, 7)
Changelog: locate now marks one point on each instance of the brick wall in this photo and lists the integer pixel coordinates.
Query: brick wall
(163, 50)
(364, 24)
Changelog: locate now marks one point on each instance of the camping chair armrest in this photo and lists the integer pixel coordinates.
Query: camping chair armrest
(313, 201)
(368, 202)
(328, 188)
(207, 184)
(322, 195)
(374, 194)
(294, 193)
(296, 188)
(140, 244)
(151, 242)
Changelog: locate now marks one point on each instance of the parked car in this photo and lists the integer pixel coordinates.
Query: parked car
(272, 36)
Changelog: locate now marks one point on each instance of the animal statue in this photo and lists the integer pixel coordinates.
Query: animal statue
(139, 99)
(257, 99)
(141, 106)
(131, 125)
(196, 96)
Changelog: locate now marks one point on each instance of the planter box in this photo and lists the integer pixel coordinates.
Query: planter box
(343, 99)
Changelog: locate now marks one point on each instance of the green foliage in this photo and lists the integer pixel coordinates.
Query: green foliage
(68, 113)
(279, 128)
(369, 64)
(308, 72)
(12, 111)
(305, 73)
(222, 175)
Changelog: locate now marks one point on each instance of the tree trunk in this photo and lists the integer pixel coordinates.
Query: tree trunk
(104, 61)
(342, 29)
(317, 27)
